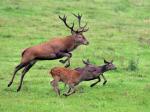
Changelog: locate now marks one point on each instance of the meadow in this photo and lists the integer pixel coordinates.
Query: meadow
(118, 30)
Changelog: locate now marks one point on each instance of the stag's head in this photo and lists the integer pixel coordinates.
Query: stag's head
(78, 36)
(91, 67)
(109, 65)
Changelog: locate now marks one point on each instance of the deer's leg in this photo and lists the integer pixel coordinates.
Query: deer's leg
(67, 91)
(20, 66)
(54, 84)
(96, 82)
(63, 61)
(26, 69)
(68, 55)
(65, 86)
(70, 91)
(105, 81)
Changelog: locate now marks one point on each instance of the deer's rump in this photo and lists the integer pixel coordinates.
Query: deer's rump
(65, 75)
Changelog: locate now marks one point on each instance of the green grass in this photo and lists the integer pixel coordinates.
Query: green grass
(119, 30)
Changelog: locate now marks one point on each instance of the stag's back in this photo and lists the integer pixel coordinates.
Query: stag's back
(65, 74)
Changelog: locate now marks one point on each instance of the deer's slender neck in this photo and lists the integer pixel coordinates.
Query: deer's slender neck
(70, 43)
(103, 68)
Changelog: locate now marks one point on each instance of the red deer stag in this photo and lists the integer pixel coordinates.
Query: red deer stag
(52, 49)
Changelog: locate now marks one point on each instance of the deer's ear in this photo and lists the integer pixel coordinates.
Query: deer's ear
(105, 61)
(86, 62)
(112, 61)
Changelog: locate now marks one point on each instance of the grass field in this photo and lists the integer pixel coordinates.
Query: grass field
(118, 29)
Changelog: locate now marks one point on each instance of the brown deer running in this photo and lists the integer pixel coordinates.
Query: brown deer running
(73, 77)
(53, 49)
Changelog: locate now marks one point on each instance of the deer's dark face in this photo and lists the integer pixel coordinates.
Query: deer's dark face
(80, 39)
(109, 65)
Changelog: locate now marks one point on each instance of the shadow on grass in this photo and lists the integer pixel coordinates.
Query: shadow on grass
(9, 90)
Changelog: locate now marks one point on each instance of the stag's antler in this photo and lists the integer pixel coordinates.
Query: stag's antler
(64, 18)
(81, 28)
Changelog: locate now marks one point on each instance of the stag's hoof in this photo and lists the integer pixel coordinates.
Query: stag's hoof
(91, 85)
(62, 61)
(65, 94)
(104, 83)
(18, 89)
(9, 84)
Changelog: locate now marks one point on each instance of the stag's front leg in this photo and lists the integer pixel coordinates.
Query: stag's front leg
(67, 91)
(105, 81)
(54, 84)
(70, 91)
(68, 55)
(96, 82)
(63, 61)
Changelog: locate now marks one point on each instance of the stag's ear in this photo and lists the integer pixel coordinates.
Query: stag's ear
(112, 61)
(86, 62)
(105, 61)
(83, 61)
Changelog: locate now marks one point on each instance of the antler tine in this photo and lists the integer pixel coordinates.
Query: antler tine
(85, 30)
(81, 28)
(84, 25)
(79, 18)
(64, 18)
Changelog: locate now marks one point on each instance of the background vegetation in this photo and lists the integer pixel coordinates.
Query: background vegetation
(119, 30)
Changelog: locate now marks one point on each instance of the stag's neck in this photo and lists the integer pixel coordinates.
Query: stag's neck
(70, 43)
(103, 68)
(87, 76)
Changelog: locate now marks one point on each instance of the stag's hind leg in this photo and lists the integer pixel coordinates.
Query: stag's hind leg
(20, 66)
(68, 55)
(26, 69)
